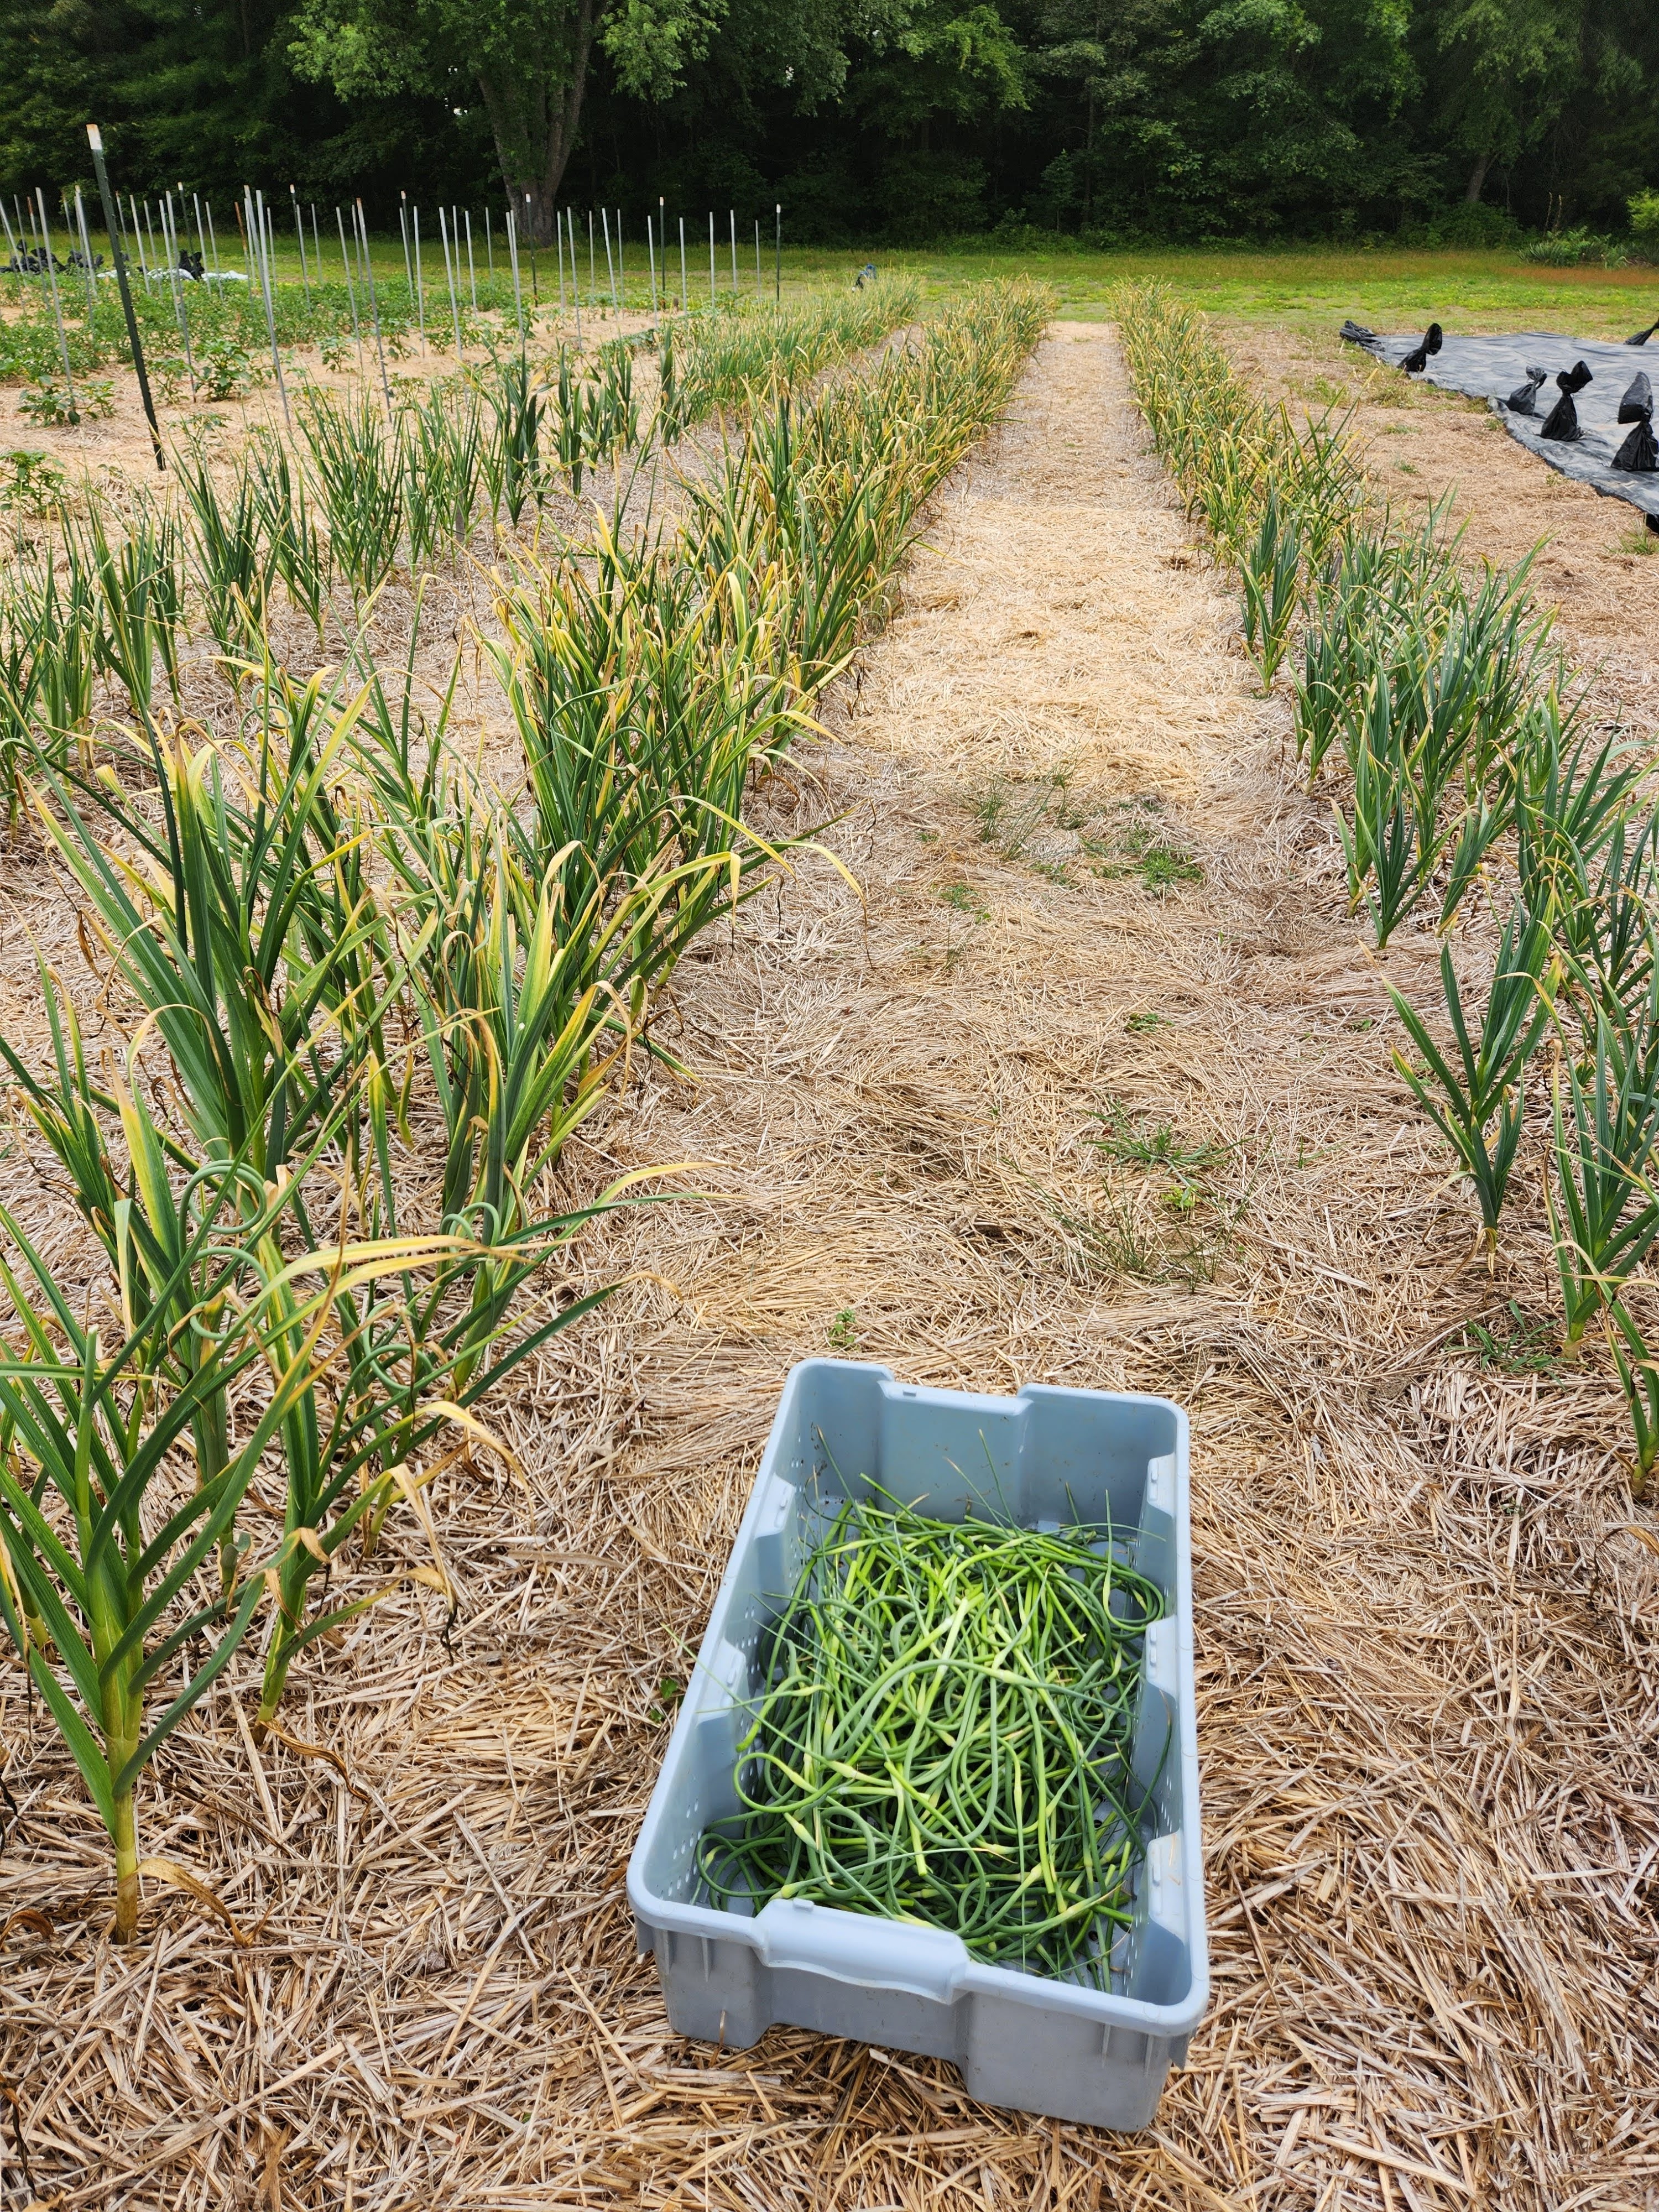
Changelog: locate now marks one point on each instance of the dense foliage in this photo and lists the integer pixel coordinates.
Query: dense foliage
(903, 118)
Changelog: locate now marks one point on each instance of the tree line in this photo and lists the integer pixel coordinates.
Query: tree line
(1110, 120)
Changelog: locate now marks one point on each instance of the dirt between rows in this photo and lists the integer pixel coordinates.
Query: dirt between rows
(1596, 563)
(1093, 905)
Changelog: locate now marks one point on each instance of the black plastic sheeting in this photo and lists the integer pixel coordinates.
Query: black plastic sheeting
(1500, 370)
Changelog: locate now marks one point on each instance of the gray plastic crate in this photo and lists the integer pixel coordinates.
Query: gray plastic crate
(1038, 2045)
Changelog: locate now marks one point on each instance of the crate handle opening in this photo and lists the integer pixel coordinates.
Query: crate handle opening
(853, 1946)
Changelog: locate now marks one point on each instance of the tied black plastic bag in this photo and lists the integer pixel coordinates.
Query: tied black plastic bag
(1418, 359)
(1520, 400)
(1641, 337)
(1563, 424)
(1356, 333)
(1639, 453)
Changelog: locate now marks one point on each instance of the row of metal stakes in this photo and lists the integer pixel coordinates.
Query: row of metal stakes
(257, 222)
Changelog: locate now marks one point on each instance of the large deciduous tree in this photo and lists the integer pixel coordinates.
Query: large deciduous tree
(1193, 117)
(1508, 69)
(869, 120)
(527, 61)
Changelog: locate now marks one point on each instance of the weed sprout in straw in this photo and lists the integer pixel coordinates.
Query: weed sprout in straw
(945, 1735)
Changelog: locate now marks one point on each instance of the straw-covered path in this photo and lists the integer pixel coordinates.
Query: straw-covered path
(1091, 1087)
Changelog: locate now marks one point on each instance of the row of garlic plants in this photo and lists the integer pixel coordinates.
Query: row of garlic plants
(361, 493)
(1469, 767)
(336, 952)
(709, 364)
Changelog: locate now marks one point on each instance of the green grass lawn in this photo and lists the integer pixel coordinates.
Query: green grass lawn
(1391, 290)
(1306, 285)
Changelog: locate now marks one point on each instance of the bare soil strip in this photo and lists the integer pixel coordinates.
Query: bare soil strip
(929, 1127)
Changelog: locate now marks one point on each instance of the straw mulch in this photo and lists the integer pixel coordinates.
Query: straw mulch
(1426, 1665)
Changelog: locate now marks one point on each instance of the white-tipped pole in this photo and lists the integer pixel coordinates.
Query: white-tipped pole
(85, 257)
(360, 226)
(170, 232)
(575, 289)
(351, 290)
(455, 249)
(711, 257)
(420, 277)
(604, 216)
(471, 273)
(183, 305)
(299, 232)
(113, 227)
(57, 312)
(512, 255)
(256, 215)
(454, 310)
(732, 214)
